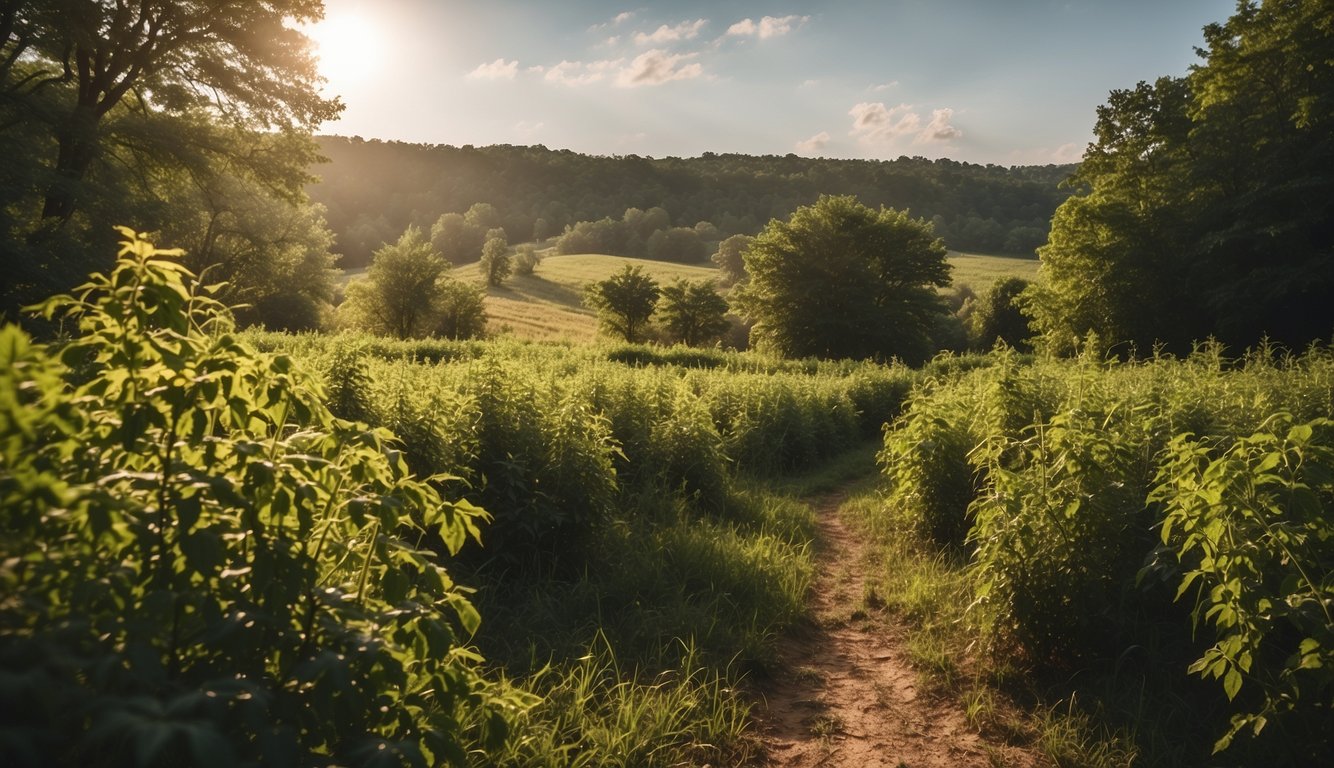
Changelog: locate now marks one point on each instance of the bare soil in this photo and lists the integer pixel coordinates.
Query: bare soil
(846, 693)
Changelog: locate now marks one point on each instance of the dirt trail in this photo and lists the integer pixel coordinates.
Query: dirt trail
(846, 694)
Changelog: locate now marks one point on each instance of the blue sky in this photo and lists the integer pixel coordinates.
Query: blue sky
(1013, 82)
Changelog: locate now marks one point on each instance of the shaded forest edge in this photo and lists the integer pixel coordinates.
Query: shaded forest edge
(374, 189)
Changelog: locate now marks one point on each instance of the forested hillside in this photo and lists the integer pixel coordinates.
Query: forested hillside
(373, 190)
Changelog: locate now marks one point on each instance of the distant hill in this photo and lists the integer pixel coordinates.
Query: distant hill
(373, 190)
(548, 304)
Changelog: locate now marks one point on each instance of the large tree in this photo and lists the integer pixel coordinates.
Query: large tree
(839, 279)
(244, 60)
(1207, 202)
(116, 112)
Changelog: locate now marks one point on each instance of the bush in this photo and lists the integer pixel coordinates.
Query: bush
(224, 572)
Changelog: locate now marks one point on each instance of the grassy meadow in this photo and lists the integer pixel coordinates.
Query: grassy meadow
(548, 304)
(979, 271)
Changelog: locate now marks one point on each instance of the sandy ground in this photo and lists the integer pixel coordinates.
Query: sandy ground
(847, 695)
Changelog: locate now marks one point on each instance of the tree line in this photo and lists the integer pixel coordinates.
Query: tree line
(373, 190)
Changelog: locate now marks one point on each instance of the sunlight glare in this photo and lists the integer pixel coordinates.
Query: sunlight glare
(349, 48)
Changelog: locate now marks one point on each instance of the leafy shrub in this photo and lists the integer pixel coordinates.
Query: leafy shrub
(926, 457)
(1252, 530)
(202, 565)
(1060, 537)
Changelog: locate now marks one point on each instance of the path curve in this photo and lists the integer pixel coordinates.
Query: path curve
(845, 693)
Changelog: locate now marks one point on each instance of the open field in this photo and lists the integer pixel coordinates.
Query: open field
(548, 304)
(979, 271)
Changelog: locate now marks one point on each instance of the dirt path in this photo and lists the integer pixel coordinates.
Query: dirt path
(846, 694)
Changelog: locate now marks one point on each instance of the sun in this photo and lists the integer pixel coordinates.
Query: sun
(349, 48)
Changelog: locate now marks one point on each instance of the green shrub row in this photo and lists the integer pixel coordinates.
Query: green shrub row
(548, 437)
(1178, 508)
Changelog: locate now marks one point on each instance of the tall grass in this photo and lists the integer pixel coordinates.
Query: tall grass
(635, 569)
(1087, 498)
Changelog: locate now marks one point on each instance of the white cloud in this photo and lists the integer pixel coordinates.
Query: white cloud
(525, 127)
(743, 28)
(814, 144)
(496, 70)
(686, 30)
(939, 129)
(578, 72)
(811, 83)
(616, 21)
(873, 123)
(656, 67)
(884, 86)
(767, 27)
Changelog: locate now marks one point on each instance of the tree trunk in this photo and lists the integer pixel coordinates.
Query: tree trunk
(77, 140)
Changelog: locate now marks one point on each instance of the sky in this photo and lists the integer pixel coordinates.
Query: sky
(1010, 82)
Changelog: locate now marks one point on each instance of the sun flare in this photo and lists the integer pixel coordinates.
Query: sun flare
(349, 47)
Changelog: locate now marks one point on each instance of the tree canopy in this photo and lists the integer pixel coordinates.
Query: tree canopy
(624, 302)
(1206, 201)
(692, 312)
(373, 189)
(156, 113)
(839, 279)
(395, 297)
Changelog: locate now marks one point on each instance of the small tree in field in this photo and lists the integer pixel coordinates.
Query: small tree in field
(841, 280)
(457, 310)
(729, 261)
(997, 316)
(692, 312)
(496, 263)
(395, 298)
(526, 259)
(624, 302)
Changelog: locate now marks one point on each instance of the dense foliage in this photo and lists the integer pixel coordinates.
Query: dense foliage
(375, 189)
(624, 302)
(202, 565)
(409, 293)
(692, 313)
(215, 158)
(839, 279)
(1209, 198)
(1143, 519)
(627, 519)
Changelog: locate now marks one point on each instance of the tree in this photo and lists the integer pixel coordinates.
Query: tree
(496, 263)
(841, 280)
(624, 302)
(679, 244)
(456, 239)
(1206, 201)
(397, 294)
(458, 311)
(998, 316)
(729, 258)
(247, 63)
(693, 312)
(526, 259)
(484, 216)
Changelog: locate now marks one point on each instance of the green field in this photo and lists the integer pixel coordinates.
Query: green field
(548, 304)
(979, 271)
